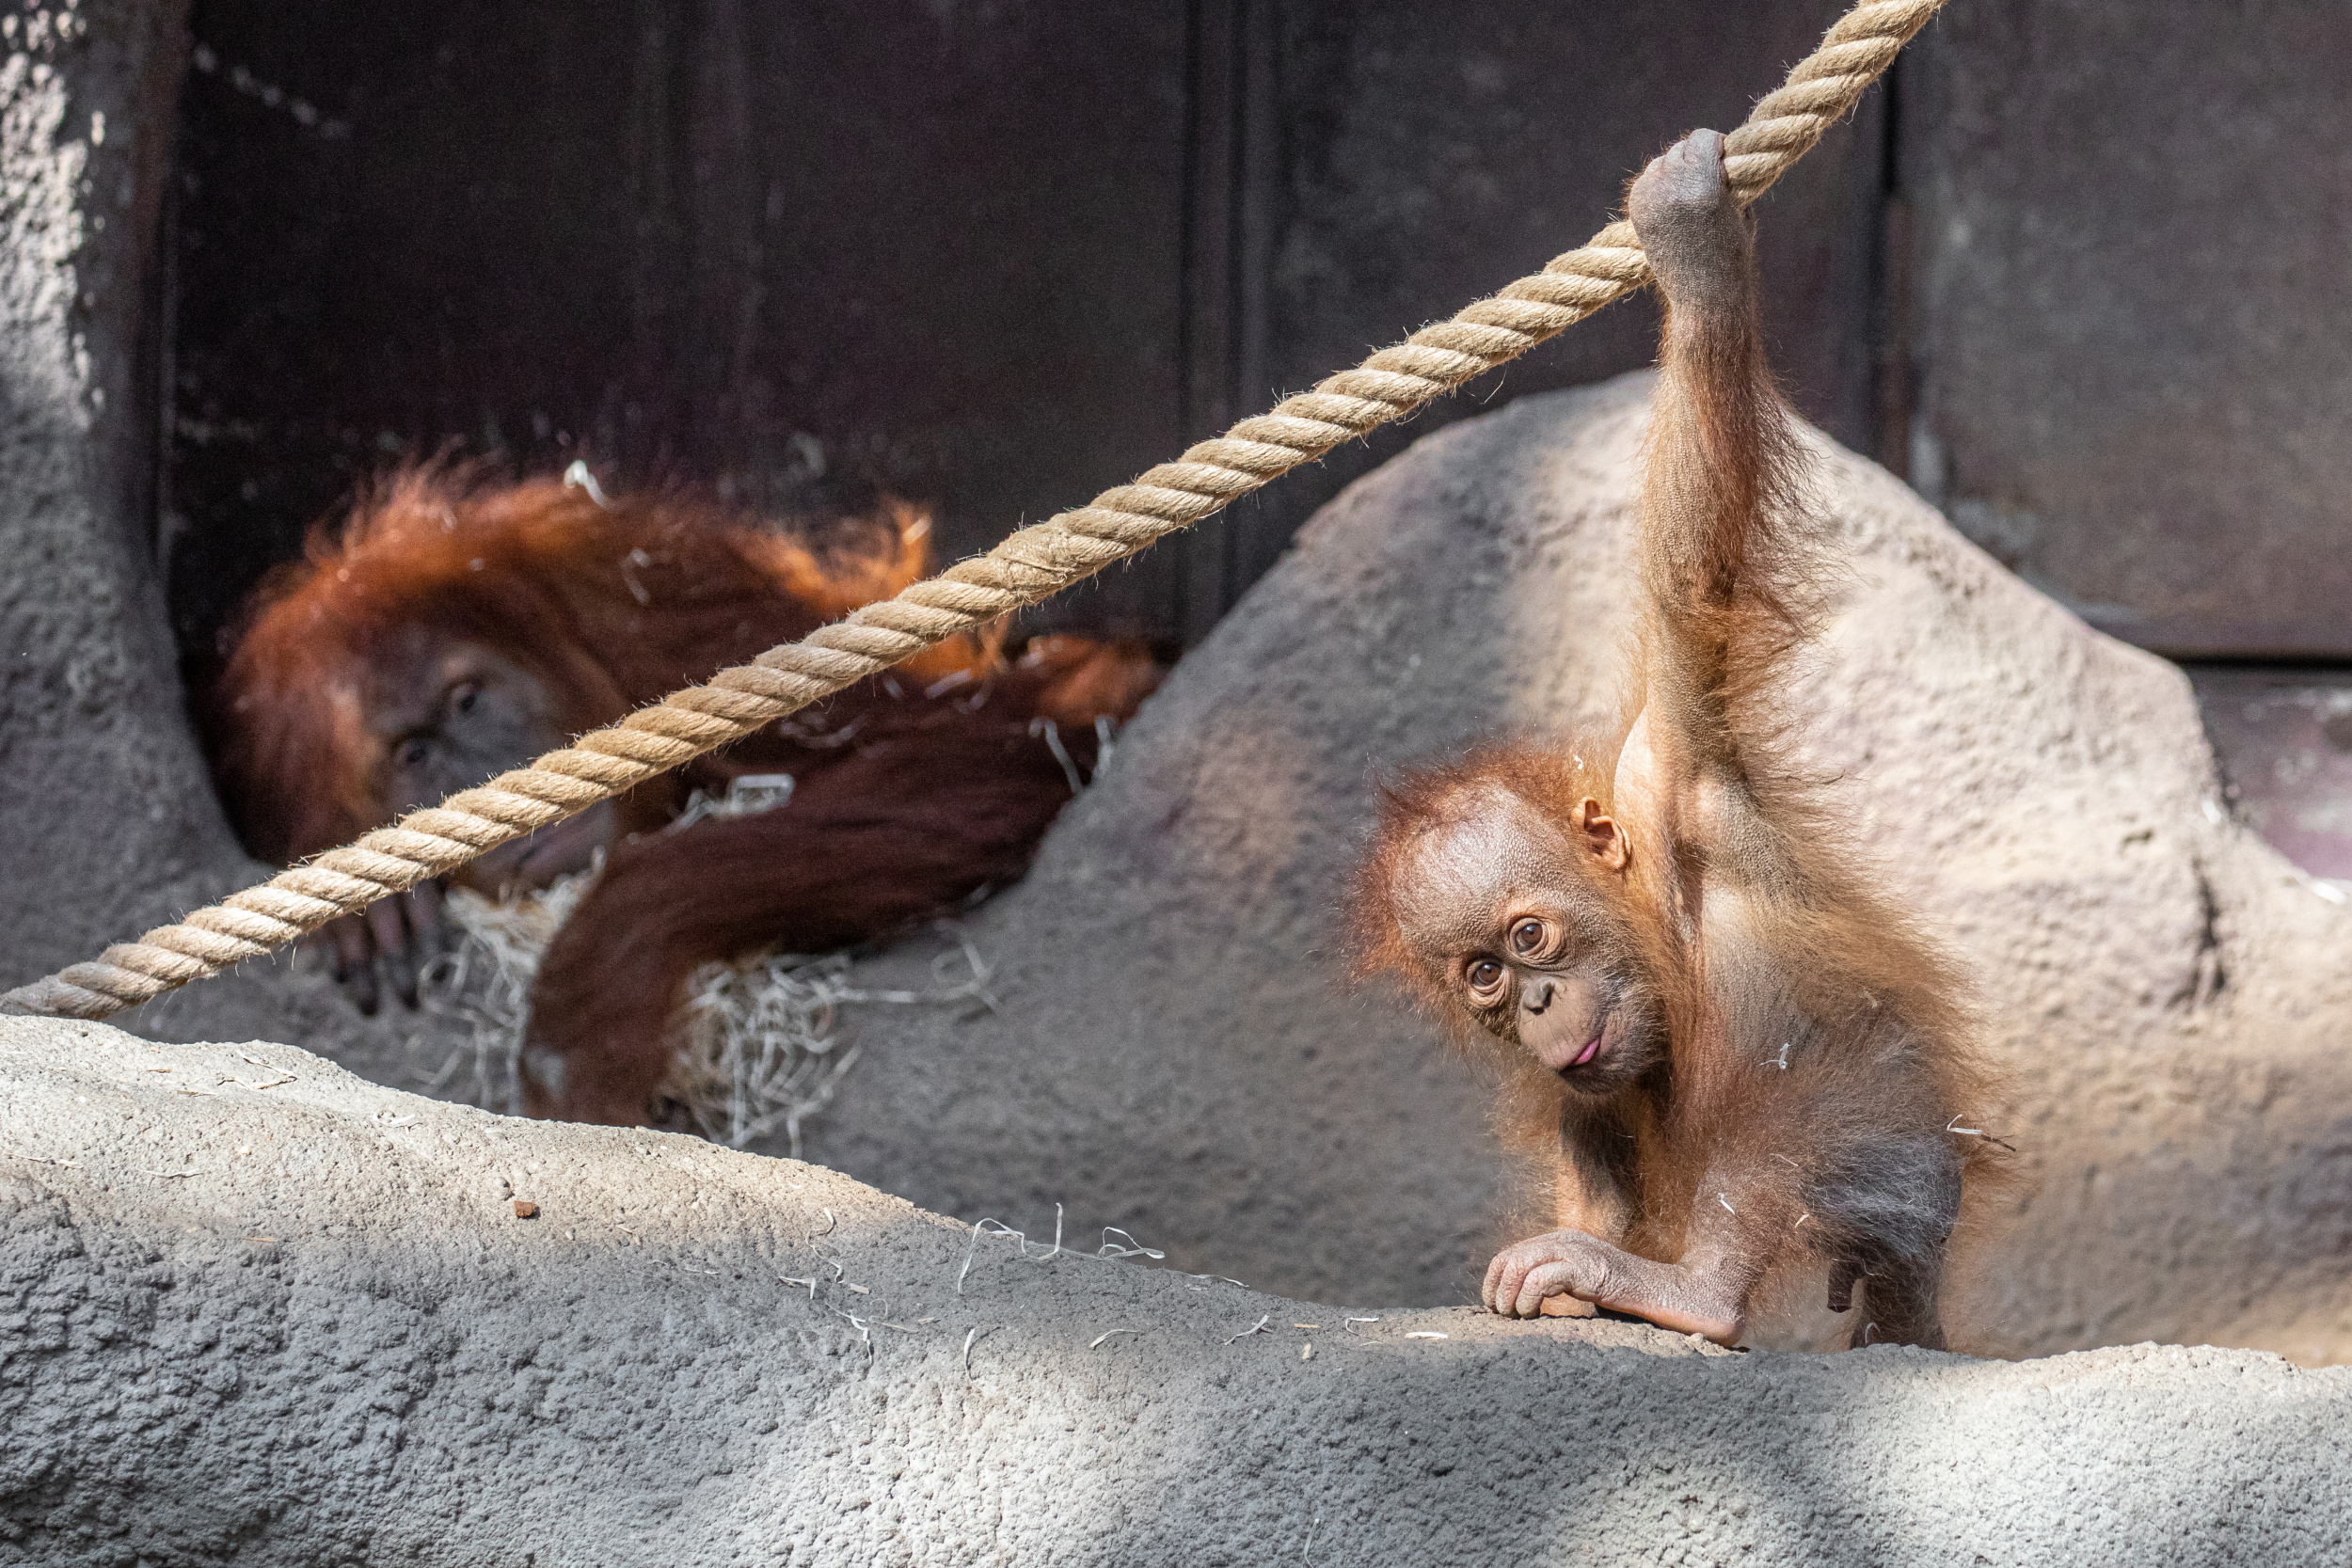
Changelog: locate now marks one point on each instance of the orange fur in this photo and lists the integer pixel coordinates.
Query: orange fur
(611, 607)
(1804, 1042)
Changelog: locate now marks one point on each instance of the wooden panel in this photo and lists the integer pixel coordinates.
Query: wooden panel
(993, 255)
(2136, 246)
(1430, 153)
(762, 245)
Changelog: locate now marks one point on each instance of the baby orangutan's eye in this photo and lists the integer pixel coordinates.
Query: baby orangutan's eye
(1485, 975)
(1527, 935)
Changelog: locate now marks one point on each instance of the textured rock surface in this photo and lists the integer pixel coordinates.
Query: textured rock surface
(253, 1308)
(1176, 1049)
(100, 787)
(107, 821)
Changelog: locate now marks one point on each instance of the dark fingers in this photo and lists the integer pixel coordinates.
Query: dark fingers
(428, 923)
(389, 924)
(355, 960)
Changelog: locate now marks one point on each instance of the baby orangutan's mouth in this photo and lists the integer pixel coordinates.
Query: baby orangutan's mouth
(1592, 1048)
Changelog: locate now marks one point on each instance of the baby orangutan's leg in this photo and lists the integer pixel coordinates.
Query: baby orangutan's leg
(1898, 1306)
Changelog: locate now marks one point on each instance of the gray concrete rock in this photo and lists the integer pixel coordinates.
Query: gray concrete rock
(255, 1310)
(107, 820)
(108, 823)
(1176, 1049)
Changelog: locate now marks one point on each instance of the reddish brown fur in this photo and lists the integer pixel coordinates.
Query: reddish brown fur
(913, 790)
(1839, 1154)
(543, 571)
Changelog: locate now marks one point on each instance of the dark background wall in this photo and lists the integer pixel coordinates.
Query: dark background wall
(998, 255)
(2078, 270)
(2135, 323)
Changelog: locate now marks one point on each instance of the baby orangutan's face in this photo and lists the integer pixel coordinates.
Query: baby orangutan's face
(1509, 913)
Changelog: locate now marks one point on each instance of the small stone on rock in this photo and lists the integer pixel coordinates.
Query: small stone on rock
(525, 1209)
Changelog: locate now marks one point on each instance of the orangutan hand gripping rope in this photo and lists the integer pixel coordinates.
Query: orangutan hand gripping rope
(1751, 1059)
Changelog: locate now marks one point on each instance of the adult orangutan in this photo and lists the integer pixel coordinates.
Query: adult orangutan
(1749, 1060)
(452, 628)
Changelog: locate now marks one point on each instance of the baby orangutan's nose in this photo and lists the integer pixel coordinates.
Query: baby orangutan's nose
(1556, 1021)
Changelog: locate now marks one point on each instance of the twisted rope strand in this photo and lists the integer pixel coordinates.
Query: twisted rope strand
(1033, 563)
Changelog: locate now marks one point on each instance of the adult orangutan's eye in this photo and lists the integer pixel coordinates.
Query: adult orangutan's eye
(1527, 935)
(412, 752)
(463, 698)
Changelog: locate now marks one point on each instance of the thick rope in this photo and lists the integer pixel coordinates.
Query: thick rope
(1030, 565)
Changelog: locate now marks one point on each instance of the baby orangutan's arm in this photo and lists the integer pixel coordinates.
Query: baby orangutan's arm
(1684, 1297)
(1724, 1256)
(1720, 557)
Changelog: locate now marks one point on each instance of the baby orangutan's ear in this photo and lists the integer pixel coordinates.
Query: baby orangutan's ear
(1599, 834)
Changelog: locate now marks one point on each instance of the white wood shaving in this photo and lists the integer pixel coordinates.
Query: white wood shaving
(756, 1048)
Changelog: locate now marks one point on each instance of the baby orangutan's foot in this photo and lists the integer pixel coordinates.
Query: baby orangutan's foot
(1694, 233)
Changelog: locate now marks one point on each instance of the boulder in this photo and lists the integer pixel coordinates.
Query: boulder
(254, 1308)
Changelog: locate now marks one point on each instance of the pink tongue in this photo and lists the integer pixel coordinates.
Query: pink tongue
(1589, 1052)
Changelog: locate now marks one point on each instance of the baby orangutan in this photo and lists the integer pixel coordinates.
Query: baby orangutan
(1751, 1061)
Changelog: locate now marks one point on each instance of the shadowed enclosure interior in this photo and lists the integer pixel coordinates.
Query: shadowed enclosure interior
(993, 256)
